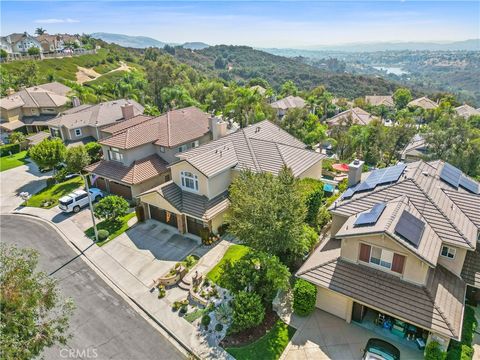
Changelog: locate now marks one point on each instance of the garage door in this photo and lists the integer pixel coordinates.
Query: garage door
(163, 216)
(120, 189)
(101, 183)
(333, 303)
(194, 226)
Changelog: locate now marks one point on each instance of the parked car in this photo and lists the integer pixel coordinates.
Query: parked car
(78, 199)
(378, 349)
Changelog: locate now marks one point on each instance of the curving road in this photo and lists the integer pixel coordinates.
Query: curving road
(104, 325)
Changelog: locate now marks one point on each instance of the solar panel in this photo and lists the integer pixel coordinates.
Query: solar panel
(410, 228)
(348, 194)
(371, 217)
(451, 175)
(469, 184)
(392, 174)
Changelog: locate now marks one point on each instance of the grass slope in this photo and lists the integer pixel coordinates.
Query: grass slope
(10, 162)
(114, 228)
(233, 253)
(269, 347)
(55, 192)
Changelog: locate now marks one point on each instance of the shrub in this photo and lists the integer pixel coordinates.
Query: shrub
(206, 321)
(222, 229)
(323, 217)
(161, 291)
(111, 208)
(248, 311)
(304, 297)
(6, 150)
(218, 327)
(463, 350)
(183, 309)
(94, 150)
(190, 261)
(433, 351)
(103, 234)
(223, 313)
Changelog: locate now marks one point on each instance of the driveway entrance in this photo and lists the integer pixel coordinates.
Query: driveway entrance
(150, 250)
(325, 336)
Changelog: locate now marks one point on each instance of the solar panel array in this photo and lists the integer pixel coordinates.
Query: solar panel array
(410, 228)
(377, 177)
(453, 176)
(371, 217)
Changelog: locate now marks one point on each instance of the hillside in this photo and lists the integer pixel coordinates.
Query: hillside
(195, 45)
(241, 63)
(138, 42)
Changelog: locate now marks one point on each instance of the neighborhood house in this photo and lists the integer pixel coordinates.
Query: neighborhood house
(356, 116)
(196, 197)
(285, 104)
(397, 251)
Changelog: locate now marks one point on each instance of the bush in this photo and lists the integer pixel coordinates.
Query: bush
(206, 321)
(323, 217)
(433, 351)
(161, 291)
(463, 350)
(6, 150)
(183, 309)
(103, 234)
(218, 327)
(304, 297)
(190, 261)
(248, 311)
(111, 208)
(94, 150)
(222, 229)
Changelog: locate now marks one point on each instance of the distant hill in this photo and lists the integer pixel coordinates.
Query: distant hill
(195, 45)
(129, 41)
(242, 63)
(470, 45)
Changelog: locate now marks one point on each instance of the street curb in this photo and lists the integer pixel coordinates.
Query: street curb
(184, 347)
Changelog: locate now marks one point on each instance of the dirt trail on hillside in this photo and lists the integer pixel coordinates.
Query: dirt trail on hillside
(84, 74)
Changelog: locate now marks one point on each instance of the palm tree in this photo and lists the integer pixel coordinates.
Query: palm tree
(40, 31)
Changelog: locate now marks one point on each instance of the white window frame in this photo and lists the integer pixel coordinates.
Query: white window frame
(187, 178)
(386, 257)
(195, 144)
(182, 148)
(77, 132)
(450, 252)
(118, 155)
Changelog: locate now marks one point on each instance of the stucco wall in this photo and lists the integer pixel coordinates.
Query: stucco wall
(140, 152)
(415, 270)
(147, 185)
(11, 115)
(184, 166)
(86, 132)
(169, 155)
(217, 221)
(337, 223)
(454, 265)
(219, 183)
(314, 172)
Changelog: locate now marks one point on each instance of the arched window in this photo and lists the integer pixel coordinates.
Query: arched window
(189, 181)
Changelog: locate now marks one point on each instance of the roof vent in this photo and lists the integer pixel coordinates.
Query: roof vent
(425, 173)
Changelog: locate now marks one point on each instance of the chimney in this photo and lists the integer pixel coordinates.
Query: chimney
(218, 127)
(127, 111)
(355, 172)
(75, 101)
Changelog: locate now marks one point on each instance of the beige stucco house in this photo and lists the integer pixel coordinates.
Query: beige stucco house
(395, 259)
(355, 116)
(137, 151)
(424, 103)
(379, 100)
(197, 195)
(287, 103)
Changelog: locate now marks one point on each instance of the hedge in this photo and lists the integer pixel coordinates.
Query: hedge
(304, 297)
(463, 350)
(6, 150)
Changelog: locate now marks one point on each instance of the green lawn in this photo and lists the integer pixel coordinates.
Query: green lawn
(234, 253)
(114, 228)
(268, 347)
(10, 162)
(55, 192)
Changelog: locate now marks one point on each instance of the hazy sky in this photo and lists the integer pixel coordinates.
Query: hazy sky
(262, 24)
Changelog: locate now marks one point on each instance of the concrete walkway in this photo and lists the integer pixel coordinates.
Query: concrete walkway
(136, 290)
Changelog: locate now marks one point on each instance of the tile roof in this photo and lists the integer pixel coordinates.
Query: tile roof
(449, 216)
(262, 147)
(437, 306)
(471, 268)
(424, 103)
(356, 115)
(125, 124)
(171, 129)
(198, 206)
(36, 138)
(416, 147)
(138, 172)
(429, 245)
(466, 111)
(102, 114)
(376, 100)
(12, 125)
(44, 95)
(288, 103)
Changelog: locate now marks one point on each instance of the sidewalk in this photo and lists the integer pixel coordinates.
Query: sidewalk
(159, 309)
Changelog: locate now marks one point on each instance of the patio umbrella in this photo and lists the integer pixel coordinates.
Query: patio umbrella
(340, 167)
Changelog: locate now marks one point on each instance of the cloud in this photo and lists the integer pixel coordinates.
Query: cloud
(56, 21)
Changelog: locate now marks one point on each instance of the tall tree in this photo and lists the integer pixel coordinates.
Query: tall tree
(49, 153)
(304, 126)
(33, 315)
(288, 88)
(40, 31)
(76, 158)
(267, 213)
(402, 97)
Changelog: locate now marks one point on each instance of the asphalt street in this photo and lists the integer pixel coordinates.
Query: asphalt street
(104, 325)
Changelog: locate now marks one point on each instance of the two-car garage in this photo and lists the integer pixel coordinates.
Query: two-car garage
(113, 187)
(163, 216)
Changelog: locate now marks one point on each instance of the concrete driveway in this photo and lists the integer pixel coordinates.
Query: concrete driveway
(325, 336)
(14, 181)
(150, 249)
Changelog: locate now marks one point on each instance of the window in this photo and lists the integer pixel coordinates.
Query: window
(80, 197)
(189, 181)
(182, 148)
(162, 149)
(78, 132)
(115, 155)
(381, 257)
(195, 144)
(448, 252)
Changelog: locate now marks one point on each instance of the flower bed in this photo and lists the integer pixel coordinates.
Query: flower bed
(173, 276)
